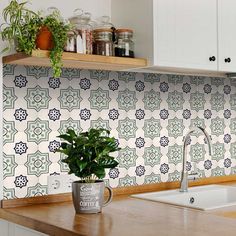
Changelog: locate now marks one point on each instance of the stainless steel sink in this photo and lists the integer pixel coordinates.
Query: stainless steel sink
(204, 197)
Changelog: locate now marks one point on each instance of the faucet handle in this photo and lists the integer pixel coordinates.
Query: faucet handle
(194, 173)
(193, 176)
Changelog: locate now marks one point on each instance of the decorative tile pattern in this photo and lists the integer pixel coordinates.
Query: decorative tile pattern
(152, 178)
(99, 74)
(127, 157)
(197, 152)
(69, 124)
(70, 73)
(217, 126)
(152, 100)
(233, 126)
(20, 114)
(37, 71)
(152, 128)
(175, 176)
(175, 101)
(63, 166)
(99, 99)
(20, 148)
(218, 171)
(9, 98)
(233, 150)
(175, 127)
(114, 173)
(100, 123)
(37, 131)
(127, 128)
(21, 181)
(127, 181)
(126, 76)
(9, 193)
(126, 100)
(152, 156)
(8, 69)
(37, 98)
(9, 165)
(218, 151)
(37, 190)
(197, 101)
(54, 83)
(175, 154)
(217, 101)
(70, 99)
(147, 113)
(151, 78)
(233, 101)
(9, 131)
(20, 81)
(37, 163)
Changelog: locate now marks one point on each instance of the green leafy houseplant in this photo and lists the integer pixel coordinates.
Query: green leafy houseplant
(22, 27)
(88, 154)
(59, 31)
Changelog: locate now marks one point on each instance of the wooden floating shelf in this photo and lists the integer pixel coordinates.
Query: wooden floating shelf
(75, 60)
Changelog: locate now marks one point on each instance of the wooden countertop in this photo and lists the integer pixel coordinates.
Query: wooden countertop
(124, 216)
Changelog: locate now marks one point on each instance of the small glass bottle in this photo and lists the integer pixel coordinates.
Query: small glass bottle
(125, 44)
(103, 44)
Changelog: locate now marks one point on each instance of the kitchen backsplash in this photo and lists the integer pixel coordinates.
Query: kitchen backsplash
(147, 113)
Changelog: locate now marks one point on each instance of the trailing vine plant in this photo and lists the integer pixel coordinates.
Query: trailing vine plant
(22, 26)
(59, 31)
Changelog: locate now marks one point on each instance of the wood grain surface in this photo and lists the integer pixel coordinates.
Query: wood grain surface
(125, 216)
(75, 60)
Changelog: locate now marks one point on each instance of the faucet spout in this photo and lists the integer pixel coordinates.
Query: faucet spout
(184, 175)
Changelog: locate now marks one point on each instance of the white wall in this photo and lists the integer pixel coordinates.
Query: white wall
(96, 7)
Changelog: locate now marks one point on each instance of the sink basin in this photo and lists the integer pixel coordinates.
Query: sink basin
(203, 198)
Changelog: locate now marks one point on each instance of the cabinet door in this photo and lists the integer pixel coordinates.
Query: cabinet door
(3, 228)
(17, 230)
(185, 33)
(227, 35)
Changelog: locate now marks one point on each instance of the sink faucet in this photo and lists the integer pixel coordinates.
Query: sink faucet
(184, 175)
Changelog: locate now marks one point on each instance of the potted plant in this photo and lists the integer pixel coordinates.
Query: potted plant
(30, 31)
(20, 27)
(87, 156)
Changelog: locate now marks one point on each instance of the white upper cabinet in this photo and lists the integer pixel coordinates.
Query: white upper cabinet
(227, 35)
(189, 34)
(185, 33)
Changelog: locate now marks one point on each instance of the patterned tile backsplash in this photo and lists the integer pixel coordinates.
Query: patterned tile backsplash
(148, 114)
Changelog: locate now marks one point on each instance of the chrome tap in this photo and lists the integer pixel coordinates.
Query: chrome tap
(184, 176)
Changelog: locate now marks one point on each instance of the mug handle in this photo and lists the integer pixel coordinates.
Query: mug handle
(110, 196)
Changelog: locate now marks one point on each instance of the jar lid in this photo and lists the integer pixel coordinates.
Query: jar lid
(124, 30)
(79, 16)
(103, 30)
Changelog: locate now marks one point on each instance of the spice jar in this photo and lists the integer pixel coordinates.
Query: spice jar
(103, 44)
(125, 44)
(84, 37)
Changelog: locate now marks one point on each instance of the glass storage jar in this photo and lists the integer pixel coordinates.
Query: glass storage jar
(83, 28)
(71, 42)
(125, 44)
(103, 44)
